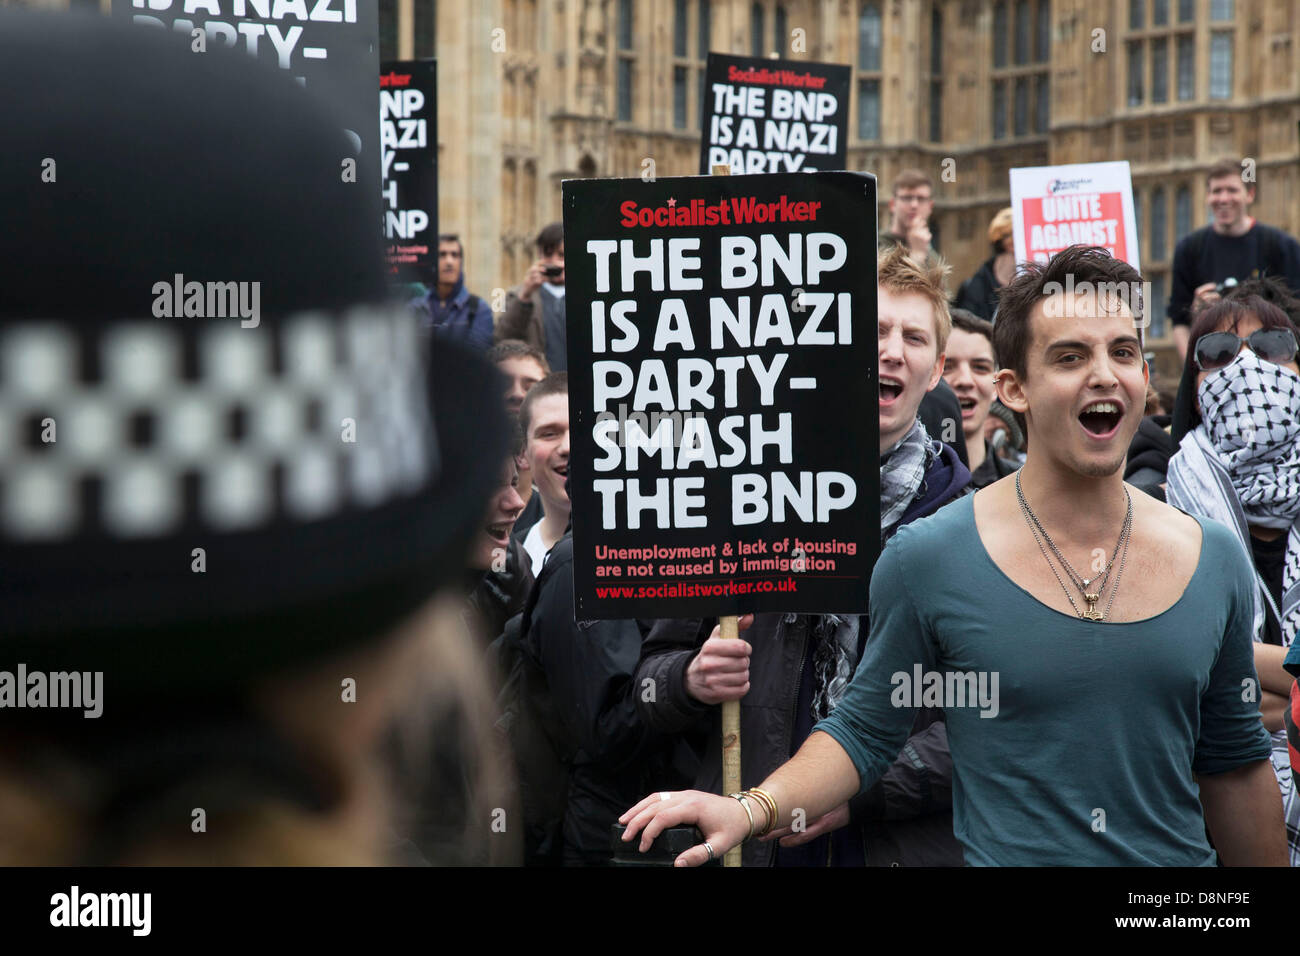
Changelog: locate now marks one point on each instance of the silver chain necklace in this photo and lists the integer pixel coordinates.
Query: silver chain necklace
(1091, 597)
(1078, 580)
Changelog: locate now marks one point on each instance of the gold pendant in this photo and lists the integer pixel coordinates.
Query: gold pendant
(1092, 613)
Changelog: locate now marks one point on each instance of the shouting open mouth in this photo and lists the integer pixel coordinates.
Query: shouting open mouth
(890, 389)
(1100, 419)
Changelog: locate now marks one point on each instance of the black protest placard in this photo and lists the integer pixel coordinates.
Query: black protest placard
(722, 394)
(773, 116)
(330, 46)
(408, 143)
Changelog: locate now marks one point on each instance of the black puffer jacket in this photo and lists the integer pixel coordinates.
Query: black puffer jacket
(587, 690)
(979, 293)
(1148, 455)
(993, 468)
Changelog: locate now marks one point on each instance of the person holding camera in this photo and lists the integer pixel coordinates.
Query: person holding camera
(535, 308)
(1234, 247)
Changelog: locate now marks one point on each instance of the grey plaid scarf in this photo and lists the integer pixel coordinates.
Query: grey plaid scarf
(835, 641)
(835, 638)
(902, 473)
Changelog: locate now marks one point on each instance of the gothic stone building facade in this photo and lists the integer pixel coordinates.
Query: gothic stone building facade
(533, 92)
(537, 91)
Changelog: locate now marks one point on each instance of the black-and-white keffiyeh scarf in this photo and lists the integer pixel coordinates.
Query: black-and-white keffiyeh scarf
(901, 474)
(1250, 410)
(1241, 466)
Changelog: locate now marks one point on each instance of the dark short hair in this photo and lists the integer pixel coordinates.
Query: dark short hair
(1270, 289)
(1017, 299)
(1228, 168)
(517, 348)
(557, 383)
(452, 237)
(550, 238)
(970, 322)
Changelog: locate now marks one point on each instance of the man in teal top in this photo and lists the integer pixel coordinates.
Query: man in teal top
(1083, 757)
(1091, 646)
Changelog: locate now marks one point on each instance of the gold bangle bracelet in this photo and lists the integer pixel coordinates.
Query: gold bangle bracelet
(767, 795)
(745, 797)
(740, 798)
(776, 810)
(767, 811)
(769, 808)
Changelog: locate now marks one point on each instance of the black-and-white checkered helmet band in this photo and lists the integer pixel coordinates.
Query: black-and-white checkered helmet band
(136, 429)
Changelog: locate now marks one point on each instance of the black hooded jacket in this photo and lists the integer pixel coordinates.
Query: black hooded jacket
(1153, 446)
(940, 413)
(496, 596)
(582, 692)
(1186, 416)
(979, 293)
(1148, 455)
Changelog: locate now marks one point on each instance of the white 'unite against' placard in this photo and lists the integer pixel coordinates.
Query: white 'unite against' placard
(1082, 204)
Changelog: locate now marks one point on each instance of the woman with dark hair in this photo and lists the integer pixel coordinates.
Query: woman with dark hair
(1237, 429)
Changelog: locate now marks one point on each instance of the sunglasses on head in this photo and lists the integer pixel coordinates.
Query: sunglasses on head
(1218, 349)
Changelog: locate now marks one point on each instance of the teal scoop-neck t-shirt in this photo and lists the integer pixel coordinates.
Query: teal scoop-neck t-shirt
(1073, 743)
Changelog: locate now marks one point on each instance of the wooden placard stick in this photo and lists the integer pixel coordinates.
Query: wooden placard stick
(730, 628)
(730, 625)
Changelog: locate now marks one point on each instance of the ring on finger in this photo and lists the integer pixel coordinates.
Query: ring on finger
(664, 796)
(708, 848)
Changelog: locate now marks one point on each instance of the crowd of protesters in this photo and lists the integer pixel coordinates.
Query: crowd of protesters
(201, 538)
(226, 563)
(589, 743)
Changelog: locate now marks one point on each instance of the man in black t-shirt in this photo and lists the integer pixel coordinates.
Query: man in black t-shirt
(1234, 246)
